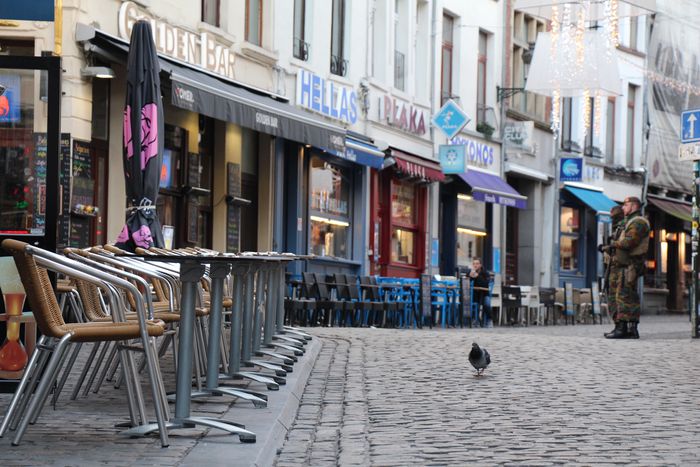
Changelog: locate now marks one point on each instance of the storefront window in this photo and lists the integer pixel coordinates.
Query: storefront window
(404, 227)
(23, 152)
(403, 202)
(471, 219)
(569, 239)
(330, 219)
(402, 242)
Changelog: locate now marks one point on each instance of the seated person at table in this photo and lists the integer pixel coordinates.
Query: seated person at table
(480, 277)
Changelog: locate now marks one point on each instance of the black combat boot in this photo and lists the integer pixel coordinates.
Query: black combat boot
(620, 331)
(617, 326)
(632, 331)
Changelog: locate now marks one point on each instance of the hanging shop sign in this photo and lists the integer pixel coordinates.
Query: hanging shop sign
(452, 158)
(326, 97)
(196, 48)
(517, 136)
(477, 154)
(402, 115)
(570, 169)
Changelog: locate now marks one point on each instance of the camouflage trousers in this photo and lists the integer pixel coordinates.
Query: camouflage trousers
(612, 286)
(623, 300)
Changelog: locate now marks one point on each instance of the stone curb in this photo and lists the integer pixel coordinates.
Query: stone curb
(269, 424)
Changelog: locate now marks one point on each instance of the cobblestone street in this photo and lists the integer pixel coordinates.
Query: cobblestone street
(552, 395)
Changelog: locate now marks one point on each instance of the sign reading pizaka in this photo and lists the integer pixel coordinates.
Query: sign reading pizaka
(201, 49)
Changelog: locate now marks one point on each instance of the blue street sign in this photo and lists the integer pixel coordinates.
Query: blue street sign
(690, 126)
(450, 119)
(453, 158)
(36, 10)
(571, 169)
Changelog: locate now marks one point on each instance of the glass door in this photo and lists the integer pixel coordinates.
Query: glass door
(29, 190)
(29, 145)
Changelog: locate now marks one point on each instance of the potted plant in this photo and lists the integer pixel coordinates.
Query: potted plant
(485, 129)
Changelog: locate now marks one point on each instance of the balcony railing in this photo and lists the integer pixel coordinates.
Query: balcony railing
(446, 96)
(339, 66)
(399, 70)
(301, 49)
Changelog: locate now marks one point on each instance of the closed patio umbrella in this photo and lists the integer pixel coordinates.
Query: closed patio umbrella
(143, 141)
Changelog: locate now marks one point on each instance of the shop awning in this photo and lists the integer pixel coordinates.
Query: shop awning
(202, 92)
(416, 166)
(596, 200)
(677, 209)
(491, 188)
(363, 153)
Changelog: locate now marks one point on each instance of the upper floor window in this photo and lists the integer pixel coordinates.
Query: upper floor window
(481, 79)
(525, 30)
(339, 65)
(447, 55)
(253, 21)
(610, 132)
(631, 98)
(301, 47)
(567, 142)
(400, 36)
(210, 12)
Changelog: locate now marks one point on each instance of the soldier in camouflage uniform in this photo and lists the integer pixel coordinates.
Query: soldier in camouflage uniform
(629, 252)
(611, 267)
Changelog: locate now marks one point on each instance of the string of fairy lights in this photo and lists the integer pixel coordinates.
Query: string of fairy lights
(568, 31)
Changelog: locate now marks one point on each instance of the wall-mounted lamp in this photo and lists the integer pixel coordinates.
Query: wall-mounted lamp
(388, 162)
(97, 72)
(505, 93)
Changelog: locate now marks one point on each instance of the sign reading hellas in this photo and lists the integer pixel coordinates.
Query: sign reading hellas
(200, 49)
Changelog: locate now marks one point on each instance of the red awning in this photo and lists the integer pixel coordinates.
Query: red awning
(417, 166)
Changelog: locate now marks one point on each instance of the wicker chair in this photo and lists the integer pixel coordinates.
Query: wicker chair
(29, 398)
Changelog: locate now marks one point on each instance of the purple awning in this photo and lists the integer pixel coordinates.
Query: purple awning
(493, 189)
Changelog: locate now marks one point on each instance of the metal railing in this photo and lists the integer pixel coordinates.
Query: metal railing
(339, 66)
(399, 70)
(301, 49)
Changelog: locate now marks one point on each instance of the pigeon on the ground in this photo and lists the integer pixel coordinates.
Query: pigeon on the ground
(479, 358)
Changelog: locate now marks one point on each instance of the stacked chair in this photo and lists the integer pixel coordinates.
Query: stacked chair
(123, 305)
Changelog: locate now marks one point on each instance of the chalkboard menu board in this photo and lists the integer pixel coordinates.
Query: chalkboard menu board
(569, 299)
(80, 228)
(425, 297)
(192, 220)
(233, 212)
(82, 160)
(465, 285)
(40, 160)
(193, 176)
(595, 298)
(64, 180)
(83, 183)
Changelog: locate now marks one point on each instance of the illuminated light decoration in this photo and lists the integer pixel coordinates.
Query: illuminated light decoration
(576, 70)
(587, 111)
(464, 197)
(598, 109)
(476, 233)
(326, 220)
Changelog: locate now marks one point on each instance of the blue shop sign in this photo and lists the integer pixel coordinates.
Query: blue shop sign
(477, 154)
(571, 169)
(452, 158)
(326, 97)
(36, 10)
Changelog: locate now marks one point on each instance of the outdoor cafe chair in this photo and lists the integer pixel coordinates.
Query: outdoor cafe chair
(42, 370)
(382, 306)
(511, 304)
(546, 304)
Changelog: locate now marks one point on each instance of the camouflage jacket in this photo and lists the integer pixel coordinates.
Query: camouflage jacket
(633, 242)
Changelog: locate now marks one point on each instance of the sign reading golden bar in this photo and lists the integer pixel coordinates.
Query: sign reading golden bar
(196, 48)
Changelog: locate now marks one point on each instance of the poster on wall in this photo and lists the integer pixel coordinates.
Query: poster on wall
(10, 100)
